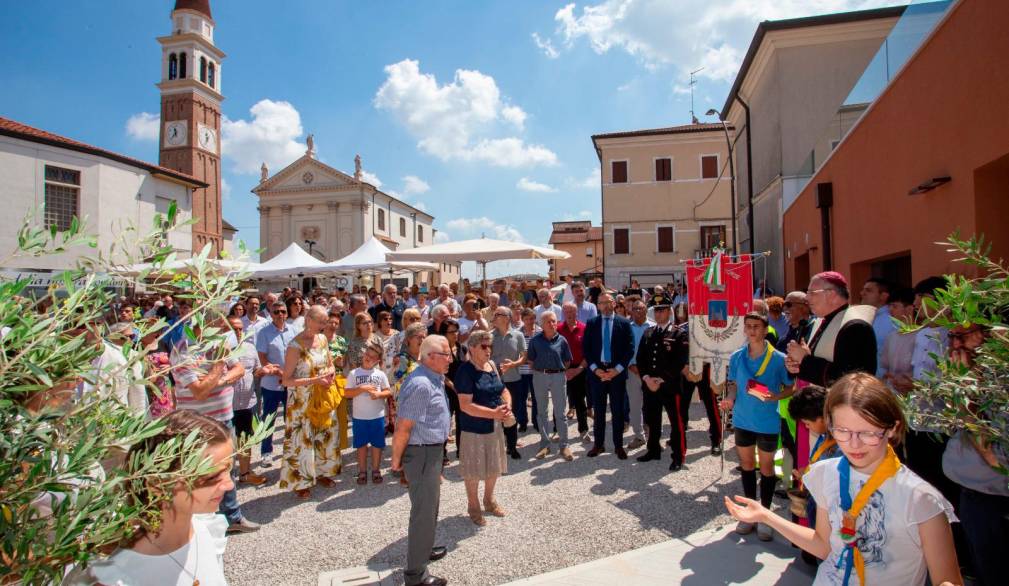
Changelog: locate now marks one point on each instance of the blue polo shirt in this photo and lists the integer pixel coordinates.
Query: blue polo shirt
(273, 342)
(549, 354)
(749, 412)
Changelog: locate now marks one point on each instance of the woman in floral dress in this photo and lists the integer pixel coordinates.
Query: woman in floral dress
(310, 455)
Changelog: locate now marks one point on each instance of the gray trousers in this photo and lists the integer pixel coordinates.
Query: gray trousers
(554, 386)
(422, 465)
(635, 403)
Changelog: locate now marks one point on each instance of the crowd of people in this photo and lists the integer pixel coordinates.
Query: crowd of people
(818, 376)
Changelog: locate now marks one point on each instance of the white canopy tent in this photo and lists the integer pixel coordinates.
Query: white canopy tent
(293, 260)
(370, 258)
(481, 250)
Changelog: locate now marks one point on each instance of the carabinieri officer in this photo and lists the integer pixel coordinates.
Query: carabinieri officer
(662, 357)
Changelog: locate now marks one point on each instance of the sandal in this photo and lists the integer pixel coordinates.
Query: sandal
(476, 515)
(325, 481)
(493, 508)
(376, 477)
(362, 478)
(303, 494)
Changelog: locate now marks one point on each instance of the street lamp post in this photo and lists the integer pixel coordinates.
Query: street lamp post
(732, 174)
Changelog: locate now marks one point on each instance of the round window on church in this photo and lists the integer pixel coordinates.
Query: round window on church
(307, 178)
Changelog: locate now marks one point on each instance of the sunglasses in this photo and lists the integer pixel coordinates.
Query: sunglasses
(279, 312)
(485, 347)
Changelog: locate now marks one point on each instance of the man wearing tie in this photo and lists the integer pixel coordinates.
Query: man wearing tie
(608, 347)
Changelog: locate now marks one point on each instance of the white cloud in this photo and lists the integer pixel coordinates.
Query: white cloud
(546, 46)
(460, 120)
(420, 206)
(413, 185)
(592, 181)
(225, 189)
(475, 227)
(369, 177)
(441, 236)
(144, 126)
(270, 135)
(515, 115)
(526, 184)
(582, 215)
(689, 33)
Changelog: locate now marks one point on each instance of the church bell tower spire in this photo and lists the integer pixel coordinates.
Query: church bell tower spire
(191, 113)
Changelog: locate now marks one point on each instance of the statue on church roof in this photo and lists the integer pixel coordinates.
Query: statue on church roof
(310, 142)
(357, 167)
(264, 173)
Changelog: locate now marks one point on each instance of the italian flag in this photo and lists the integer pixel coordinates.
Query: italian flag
(713, 275)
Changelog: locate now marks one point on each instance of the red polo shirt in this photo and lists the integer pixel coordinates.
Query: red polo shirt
(574, 337)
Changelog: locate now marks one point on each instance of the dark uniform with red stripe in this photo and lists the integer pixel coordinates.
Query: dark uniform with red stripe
(662, 353)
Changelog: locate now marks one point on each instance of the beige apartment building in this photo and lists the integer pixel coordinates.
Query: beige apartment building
(584, 242)
(666, 198)
(802, 86)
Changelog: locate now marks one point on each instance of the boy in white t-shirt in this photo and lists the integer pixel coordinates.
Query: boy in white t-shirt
(368, 386)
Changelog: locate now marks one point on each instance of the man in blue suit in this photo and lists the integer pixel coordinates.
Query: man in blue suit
(608, 347)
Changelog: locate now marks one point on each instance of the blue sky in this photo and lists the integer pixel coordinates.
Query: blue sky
(479, 111)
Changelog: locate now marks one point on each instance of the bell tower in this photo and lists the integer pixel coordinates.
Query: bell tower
(191, 99)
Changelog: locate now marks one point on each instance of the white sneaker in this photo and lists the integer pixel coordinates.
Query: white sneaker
(764, 532)
(744, 528)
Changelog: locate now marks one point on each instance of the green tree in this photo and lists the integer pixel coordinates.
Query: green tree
(974, 399)
(58, 505)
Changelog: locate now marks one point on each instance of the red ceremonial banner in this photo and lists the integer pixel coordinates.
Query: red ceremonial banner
(719, 305)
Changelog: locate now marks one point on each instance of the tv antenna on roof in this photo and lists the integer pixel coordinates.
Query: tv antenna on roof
(693, 119)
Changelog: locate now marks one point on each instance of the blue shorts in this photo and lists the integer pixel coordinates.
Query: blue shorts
(369, 431)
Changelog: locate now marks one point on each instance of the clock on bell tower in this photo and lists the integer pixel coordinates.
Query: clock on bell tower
(191, 113)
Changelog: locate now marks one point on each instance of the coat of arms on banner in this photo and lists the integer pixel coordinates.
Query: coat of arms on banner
(719, 290)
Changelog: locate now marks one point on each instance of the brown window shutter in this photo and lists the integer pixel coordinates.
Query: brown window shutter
(663, 169)
(621, 241)
(619, 172)
(665, 239)
(709, 167)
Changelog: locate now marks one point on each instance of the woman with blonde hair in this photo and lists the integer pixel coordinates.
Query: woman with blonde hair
(875, 519)
(311, 452)
(364, 331)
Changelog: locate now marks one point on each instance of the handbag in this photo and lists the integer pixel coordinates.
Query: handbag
(324, 399)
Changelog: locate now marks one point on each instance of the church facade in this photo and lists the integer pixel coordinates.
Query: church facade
(330, 214)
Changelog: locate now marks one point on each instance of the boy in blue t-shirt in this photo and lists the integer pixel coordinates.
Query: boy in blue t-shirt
(757, 381)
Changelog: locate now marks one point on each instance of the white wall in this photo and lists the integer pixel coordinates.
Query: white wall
(112, 196)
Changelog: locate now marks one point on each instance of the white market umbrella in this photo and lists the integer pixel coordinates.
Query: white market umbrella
(292, 260)
(481, 250)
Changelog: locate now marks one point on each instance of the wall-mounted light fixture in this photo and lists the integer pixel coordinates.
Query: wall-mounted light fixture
(930, 185)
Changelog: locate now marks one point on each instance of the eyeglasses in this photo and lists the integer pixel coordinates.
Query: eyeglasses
(485, 347)
(279, 312)
(451, 332)
(811, 291)
(869, 438)
(789, 304)
(443, 354)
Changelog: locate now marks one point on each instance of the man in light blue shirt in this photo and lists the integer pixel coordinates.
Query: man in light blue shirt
(586, 310)
(271, 344)
(422, 427)
(876, 292)
(635, 399)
